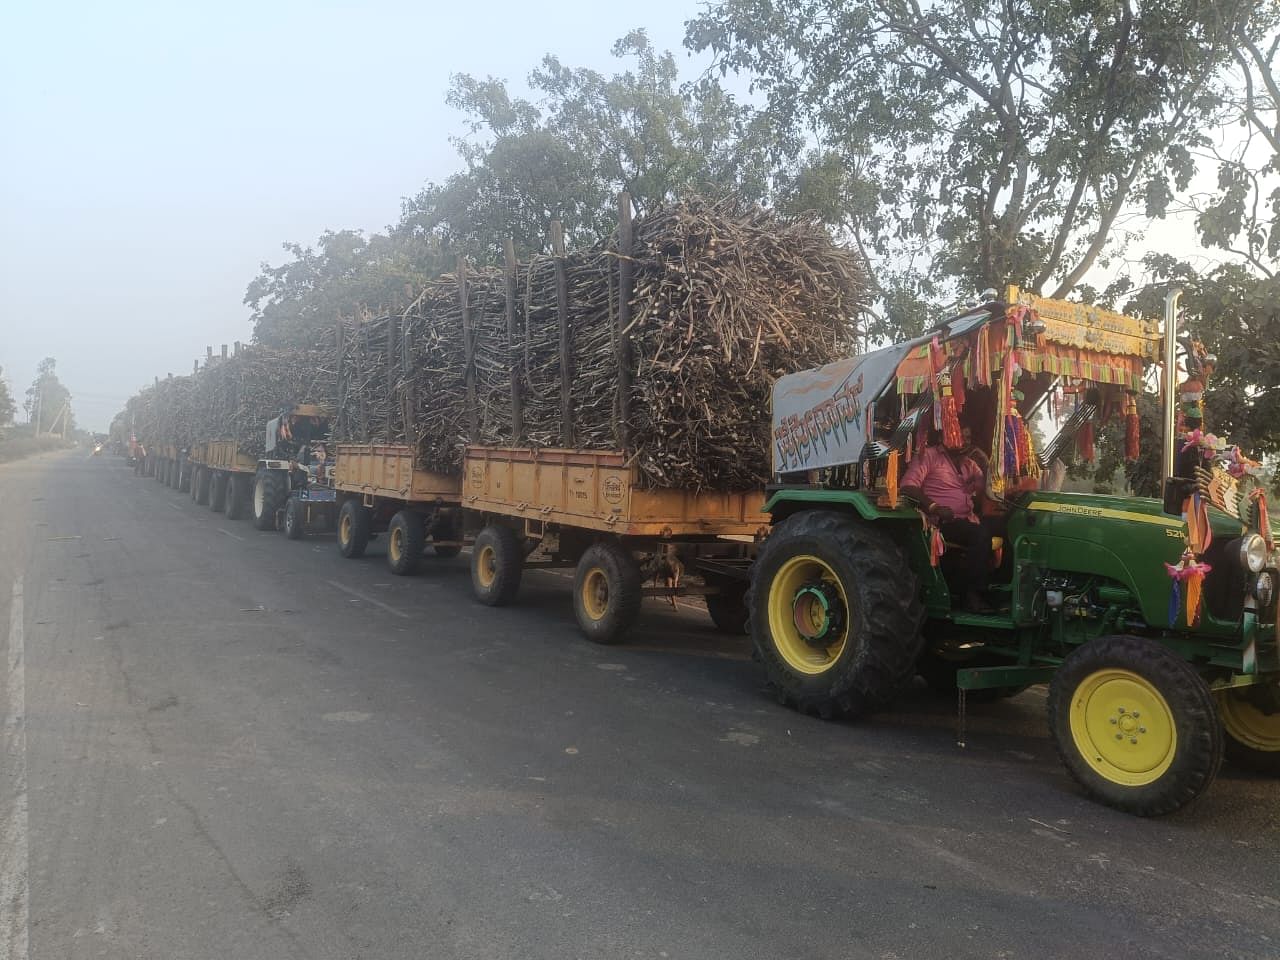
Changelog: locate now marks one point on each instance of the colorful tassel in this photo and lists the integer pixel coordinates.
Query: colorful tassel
(1188, 573)
(1259, 497)
(1084, 442)
(891, 479)
(1132, 428)
(982, 357)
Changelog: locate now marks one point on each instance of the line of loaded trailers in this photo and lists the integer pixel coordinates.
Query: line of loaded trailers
(516, 507)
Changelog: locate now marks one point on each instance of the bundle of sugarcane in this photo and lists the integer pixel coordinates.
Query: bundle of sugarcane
(174, 407)
(234, 398)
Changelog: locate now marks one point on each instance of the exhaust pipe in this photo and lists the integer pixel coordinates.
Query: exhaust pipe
(1170, 408)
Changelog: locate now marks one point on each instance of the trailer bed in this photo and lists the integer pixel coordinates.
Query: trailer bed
(388, 470)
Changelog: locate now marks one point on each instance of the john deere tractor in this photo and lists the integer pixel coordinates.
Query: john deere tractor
(1152, 620)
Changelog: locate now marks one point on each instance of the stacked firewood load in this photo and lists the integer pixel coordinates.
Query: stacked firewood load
(724, 301)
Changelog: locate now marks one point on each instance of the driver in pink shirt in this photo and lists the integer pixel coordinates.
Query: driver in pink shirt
(943, 483)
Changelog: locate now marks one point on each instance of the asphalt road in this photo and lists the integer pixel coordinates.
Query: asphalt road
(237, 746)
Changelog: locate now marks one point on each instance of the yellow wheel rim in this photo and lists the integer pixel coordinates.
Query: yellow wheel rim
(344, 528)
(1248, 724)
(486, 566)
(808, 615)
(395, 546)
(595, 593)
(1123, 727)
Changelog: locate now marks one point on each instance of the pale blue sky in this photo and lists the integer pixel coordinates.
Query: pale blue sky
(154, 154)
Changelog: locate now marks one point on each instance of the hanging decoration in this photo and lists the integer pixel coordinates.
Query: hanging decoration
(1084, 442)
(946, 414)
(1132, 429)
(891, 479)
(937, 546)
(1188, 583)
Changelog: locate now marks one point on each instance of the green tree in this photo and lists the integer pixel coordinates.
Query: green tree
(983, 142)
(587, 137)
(48, 402)
(7, 408)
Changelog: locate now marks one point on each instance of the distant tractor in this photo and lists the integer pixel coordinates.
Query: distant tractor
(293, 484)
(1152, 620)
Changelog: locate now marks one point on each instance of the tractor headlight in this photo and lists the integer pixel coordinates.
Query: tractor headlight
(1264, 589)
(1253, 553)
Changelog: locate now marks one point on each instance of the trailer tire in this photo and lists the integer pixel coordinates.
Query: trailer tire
(1135, 725)
(728, 608)
(294, 519)
(184, 477)
(171, 474)
(217, 491)
(353, 529)
(236, 499)
(835, 614)
(406, 542)
(202, 485)
(270, 490)
(497, 564)
(1252, 734)
(607, 592)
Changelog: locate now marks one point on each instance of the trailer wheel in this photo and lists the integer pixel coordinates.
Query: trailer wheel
(236, 499)
(1251, 722)
(1135, 725)
(353, 529)
(203, 484)
(607, 591)
(171, 474)
(270, 488)
(294, 519)
(835, 614)
(497, 563)
(406, 541)
(218, 491)
(728, 608)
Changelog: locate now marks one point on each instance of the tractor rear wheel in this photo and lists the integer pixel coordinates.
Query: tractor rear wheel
(406, 541)
(353, 529)
(294, 519)
(607, 591)
(835, 614)
(218, 491)
(1135, 725)
(270, 488)
(1251, 722)
(497, 562)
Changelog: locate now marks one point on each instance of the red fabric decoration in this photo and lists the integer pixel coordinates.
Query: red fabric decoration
(1084, 442)
(947, 416)
(1132, 427)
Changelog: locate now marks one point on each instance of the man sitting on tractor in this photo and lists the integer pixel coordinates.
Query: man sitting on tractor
(944, 483)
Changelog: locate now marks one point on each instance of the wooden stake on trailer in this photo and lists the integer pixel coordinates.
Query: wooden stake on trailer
(392, 333)
(517, 401)
(224, 351)
(468, 352)
(562, 317)
(623, 338)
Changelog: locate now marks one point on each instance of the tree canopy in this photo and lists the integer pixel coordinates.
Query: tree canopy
(47, 400)
(7, 408)
(988, 141)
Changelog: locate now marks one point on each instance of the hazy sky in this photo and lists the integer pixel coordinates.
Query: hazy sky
(155, 154)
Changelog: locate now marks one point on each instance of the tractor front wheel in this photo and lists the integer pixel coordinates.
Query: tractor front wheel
(835, 614)
(1135, 725)
(1251, 722)
(294, 519)
(270, 488)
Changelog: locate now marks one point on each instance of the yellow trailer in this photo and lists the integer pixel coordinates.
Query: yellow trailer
(587, 509)
(221, 476)
(380, 489)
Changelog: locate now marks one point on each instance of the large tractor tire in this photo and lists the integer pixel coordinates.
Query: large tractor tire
(607, 592)
(406, 542)
(835, 614)
(295, 519)
(497, 563)
(728, 608)
(270, 490)
(353, 529)
(237, 502)
(202, 486)
(1251, 723)
(1135, 725)
(218, 491)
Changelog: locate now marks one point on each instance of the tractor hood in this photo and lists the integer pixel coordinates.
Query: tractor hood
(819, 415)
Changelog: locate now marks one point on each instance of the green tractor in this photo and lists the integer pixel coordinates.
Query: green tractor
(1153, 620)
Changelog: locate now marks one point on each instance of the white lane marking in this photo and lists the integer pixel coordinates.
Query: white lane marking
(367, 599)
(233, 536)
(14, 920)
(175, 506)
